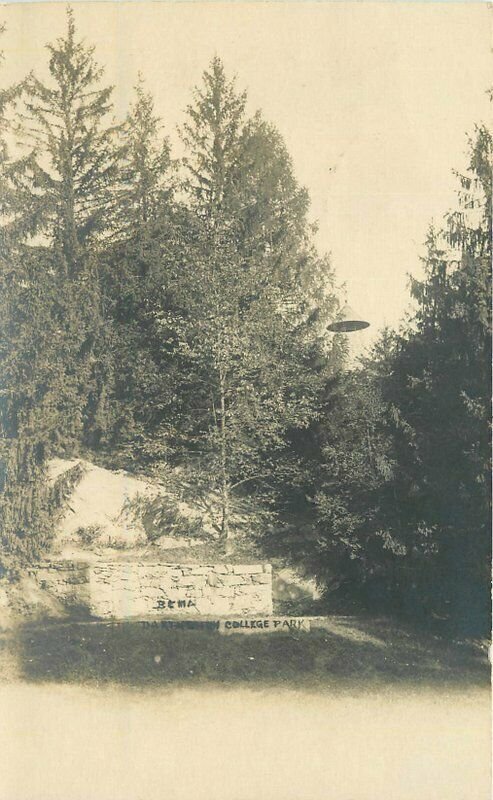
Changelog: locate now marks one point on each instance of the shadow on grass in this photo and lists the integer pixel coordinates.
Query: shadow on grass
(134, 655)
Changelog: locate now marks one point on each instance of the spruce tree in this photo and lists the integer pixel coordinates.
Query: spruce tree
(144, 240)
(71, 170)
(27, 406)
(403, 507)
(146, 172)
(67, 125)
(55, 362)
(442, 387)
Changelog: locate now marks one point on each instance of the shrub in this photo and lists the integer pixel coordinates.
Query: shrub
(88, 534)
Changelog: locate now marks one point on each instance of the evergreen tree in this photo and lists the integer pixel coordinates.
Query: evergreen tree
(442, 388)
(403, 505)
(146, 237)
(146, 180)
(211, 135)
(70, 172)
(55, 366)
(26, 364)
(74, 159)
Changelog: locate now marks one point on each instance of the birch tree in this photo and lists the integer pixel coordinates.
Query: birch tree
(242, 318)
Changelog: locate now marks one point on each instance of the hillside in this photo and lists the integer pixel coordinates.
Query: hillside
(114, 510)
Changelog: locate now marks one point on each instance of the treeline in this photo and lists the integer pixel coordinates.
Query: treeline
(162, 311)
(401, 482)
(153, 310)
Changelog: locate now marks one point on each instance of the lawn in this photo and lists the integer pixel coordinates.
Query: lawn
(345, 652)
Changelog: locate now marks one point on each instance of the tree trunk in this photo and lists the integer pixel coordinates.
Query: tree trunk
(225, 485)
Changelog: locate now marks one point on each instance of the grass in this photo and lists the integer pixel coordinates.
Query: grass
(346, 652)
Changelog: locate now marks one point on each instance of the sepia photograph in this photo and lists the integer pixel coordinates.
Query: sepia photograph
(245, 400)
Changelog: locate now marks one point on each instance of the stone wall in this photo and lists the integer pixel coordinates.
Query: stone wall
(124, 589)
(68, 581)
(139, 589)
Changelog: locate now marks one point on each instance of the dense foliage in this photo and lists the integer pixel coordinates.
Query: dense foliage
(172, 304)
(157, 312)
(403, 504)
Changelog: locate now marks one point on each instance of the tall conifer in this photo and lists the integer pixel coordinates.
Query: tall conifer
(71, 172)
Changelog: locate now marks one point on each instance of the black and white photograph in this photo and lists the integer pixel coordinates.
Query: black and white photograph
(245, 400)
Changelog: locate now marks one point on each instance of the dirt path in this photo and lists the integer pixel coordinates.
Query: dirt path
(73, 743)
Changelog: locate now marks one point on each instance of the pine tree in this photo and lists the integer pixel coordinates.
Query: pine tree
(55, 203)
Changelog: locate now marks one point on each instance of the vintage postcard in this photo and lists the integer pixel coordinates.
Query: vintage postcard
(245, 393)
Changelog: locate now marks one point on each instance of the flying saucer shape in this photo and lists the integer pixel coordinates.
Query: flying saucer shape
(349, 321)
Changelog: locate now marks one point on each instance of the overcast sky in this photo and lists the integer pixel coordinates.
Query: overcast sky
(374, 101)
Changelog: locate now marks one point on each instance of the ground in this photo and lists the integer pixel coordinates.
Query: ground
(60, 742)
(365, 709)
(347, 651)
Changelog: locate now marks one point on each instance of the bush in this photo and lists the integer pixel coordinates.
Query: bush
(88, 534)
(161, 516)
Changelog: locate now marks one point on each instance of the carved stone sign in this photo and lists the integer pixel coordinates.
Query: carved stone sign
(264, 625)
(246, 625)
(182, 624)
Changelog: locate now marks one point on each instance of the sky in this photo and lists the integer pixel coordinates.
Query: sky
(374, 101)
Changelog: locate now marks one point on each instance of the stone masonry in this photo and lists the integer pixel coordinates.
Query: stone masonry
(139, 589)
(68, 581)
